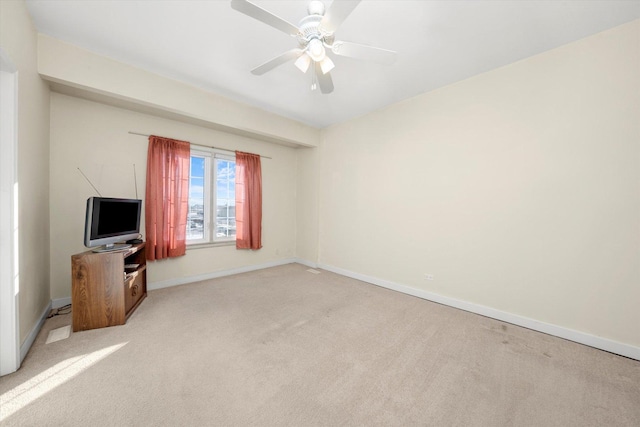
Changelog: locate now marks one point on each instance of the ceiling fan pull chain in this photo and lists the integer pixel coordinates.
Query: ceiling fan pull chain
(314, 79)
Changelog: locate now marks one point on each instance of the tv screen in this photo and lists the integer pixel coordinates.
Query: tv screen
(109, 221)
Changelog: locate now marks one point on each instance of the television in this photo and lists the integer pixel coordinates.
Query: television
(110, 221)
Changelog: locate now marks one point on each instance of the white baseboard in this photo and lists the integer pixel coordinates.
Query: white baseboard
(305, 262)
(26, 345)
(191, 279)
(558, 331)
(547, 328)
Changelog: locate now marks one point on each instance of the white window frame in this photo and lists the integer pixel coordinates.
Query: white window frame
(214, 205)
(207, 196)
(210, 198)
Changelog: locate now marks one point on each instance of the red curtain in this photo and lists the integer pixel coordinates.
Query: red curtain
(167, 197)
(248, 201)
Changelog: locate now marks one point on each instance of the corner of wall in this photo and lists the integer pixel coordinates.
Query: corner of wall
(307, 203)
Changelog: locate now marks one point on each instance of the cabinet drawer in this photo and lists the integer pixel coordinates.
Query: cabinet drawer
(133, 291)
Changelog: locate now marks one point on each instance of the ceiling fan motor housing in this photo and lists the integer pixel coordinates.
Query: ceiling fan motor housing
(310, 29)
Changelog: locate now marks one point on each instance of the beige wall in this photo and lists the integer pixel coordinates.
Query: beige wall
(18, 39)
(94, 137)
(517, 189)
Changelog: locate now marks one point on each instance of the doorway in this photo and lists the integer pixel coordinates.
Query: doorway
(9, 284)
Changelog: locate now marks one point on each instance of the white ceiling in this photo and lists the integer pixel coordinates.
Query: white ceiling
(210, 45)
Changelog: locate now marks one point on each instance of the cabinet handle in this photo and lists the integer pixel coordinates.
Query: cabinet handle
(134, 291)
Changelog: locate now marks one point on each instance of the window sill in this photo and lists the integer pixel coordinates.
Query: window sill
(210, 244)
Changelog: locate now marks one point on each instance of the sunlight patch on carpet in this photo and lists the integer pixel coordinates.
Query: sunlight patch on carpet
(19, 397)
(313, 270)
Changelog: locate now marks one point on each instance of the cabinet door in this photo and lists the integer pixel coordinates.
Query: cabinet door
(97, 293)
(134, 289)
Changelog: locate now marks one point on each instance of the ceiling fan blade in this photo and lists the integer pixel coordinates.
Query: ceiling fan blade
(278, 60)
(337, 13)
(324, 80)
(265, 16)
(360, 51)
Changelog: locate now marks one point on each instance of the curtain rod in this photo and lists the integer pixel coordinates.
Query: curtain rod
(198, 145)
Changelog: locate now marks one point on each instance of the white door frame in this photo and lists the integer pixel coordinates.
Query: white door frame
(9, 285)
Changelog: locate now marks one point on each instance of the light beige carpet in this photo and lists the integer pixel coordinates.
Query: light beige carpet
(283, 346)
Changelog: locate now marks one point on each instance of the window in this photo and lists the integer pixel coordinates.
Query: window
(212, 198)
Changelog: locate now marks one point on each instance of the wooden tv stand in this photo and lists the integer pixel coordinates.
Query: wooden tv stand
(104, 292)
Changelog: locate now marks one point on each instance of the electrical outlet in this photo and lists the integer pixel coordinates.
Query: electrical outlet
(429, 276)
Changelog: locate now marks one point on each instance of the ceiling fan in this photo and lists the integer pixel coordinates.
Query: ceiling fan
(315, 36)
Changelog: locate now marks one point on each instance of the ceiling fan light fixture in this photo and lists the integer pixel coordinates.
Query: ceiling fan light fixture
(316, 50)
(303, 63)
(326, 65)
